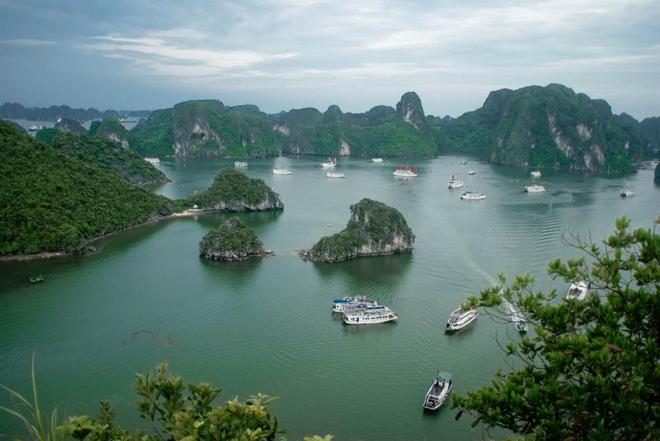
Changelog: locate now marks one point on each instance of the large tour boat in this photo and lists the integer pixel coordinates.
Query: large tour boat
(369, 315)
(455, 182)
(346, 303)
(460, 319)
(282, 171)
(438, 392)
(405, 173)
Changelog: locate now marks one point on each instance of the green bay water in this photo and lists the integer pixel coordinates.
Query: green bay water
(265, 325)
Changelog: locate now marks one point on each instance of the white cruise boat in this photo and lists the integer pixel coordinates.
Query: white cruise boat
(455, 182)
(332, 162)
(535, 174)
(369, 315)
(577, 290)
(240, 164)
(376, 160)
(460, 319)
(335, 175)
(438, 392)
(627, 192)
(472, 172)
(534, 188)
(351, 303)
(407, 173)
(471, 196)
(516, 317)
(282, 171)
(153, 160)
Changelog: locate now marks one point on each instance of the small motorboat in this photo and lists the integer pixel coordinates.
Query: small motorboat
(332, 162)
(376, 160)
(240, 164)
(627, 193)
(460, 319)
(578, 290)
(37, 279)
(438, 392)
(335, 175)
(282, 171)
(471, 196)
(455, 182)
(534, 188)
(535, 174)
(517, 318)
(471, 172)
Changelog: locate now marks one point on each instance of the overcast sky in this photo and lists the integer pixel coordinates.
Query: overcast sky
(287, 54)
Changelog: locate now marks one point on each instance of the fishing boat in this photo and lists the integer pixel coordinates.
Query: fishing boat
(460, 319)
(534, 188)
(578, 290)
(37, 279)
(369, 315)
(463, 162)
(471, 196)
(517, 318)
(335, 175)
(152, 160)
(405, 173)
(349, 303)
(282, 171)
(332, 162)
(472, 172)
(376, 160)
(627, 193)
(438, 392)
(455, 182)
(240, 164)
(34, 128)
(535, 174)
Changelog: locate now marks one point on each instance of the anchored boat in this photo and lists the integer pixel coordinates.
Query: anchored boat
(376, 160)
(335, 175)
(407, 173)
(627, 192)
(346, 303)
(332, 162)
(369, 315)
(282, 171)
(535, 174)
(534, 188)
(240, 164)
(578, 290)
(472, 172)
(460, 319)
(471, 196)
(153, 160)
(455, 182)
(438, 392)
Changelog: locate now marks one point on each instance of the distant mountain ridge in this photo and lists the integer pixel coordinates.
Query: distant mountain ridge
(52, 113)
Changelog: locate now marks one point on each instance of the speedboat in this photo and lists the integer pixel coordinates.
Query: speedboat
(376, 160)
(627, 192)
(517, 318)
(152, 160)
(472, 172)
(460, 319)
(534, 188)
(282, 171)
(350, 303)
(407, 173)
(332, 162)
(471, 196)
(335, 175)
(438, 392)
(455, 182)
(535, 174)
(577, 290)
(240, 164)
(369, 315)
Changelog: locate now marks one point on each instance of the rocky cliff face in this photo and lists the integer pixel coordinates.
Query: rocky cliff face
(232, 190)
(71, 126)
(549, 127)
(374, 229)
(112, 130)
(650, 131)
(207, 129)
(232, 240)
(410, 110)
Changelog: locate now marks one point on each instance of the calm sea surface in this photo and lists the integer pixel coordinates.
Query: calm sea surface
(266, 326)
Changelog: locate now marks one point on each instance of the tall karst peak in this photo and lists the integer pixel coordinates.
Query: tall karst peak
(411, 111)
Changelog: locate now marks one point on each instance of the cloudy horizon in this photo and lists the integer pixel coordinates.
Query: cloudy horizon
(313, 53)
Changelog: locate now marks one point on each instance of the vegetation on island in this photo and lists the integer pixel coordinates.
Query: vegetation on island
(544, 127)
(231, 240)
(111, 129)
(173, 408)
(589, 371)
(70, 125)
(52, 113)
(206, 129)
(233, 190)
(51, 200)
(373, 229)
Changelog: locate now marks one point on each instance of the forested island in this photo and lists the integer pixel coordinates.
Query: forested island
(232, 240)
(374, 229)
(56, 196)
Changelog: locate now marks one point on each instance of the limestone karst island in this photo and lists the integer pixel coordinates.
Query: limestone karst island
(314, 220)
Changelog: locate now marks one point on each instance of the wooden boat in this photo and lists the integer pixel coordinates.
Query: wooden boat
(438, 392)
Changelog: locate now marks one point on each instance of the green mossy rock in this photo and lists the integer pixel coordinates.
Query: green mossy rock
(232, 240)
